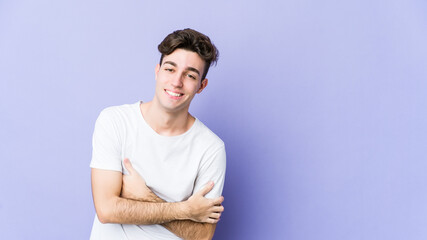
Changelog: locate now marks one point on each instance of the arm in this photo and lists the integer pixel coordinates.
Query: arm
(185, 229)
(191, 230)
(134, 187)
(112, 208)
(107, 184)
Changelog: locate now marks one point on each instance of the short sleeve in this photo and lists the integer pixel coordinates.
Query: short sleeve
(212, 168)
(106, 144)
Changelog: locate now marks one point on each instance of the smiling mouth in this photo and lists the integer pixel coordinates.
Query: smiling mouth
(173, 94)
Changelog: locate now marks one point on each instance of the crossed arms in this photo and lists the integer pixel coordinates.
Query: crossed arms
(126, 199)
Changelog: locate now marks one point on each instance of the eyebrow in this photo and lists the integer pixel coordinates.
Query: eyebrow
(188, 68)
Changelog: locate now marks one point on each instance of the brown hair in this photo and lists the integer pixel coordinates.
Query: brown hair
(191, 40)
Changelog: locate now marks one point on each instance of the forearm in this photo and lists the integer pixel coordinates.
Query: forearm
(185, 229)
(190, 230)
(129, 211)
(203, 212)
(116, 205)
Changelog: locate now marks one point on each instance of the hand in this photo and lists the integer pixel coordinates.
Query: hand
(202, 209)
(134, 186)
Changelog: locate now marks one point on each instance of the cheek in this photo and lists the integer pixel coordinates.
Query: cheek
(160, 79)
(159, 84)
(195, 87)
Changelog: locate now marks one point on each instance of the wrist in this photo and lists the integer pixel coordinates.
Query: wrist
(183, 210)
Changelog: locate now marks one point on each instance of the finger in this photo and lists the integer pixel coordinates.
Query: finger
(207, 188)
(218, 209)
(215, 216)
(128, 166)
(212, 221)
(218, 200)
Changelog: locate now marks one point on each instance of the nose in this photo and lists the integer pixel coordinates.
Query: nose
(177, 80)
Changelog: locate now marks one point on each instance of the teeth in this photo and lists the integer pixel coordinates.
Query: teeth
(173, 94)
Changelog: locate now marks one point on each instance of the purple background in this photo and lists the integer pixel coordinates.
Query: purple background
(322, 106)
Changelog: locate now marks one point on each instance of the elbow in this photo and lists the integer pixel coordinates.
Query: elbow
(209, 231)
(205, 237)
(105, 213)
(206, 233)
(199, 237)
(202, 238)
(103, 218)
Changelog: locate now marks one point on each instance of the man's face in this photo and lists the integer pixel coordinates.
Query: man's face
(178, 79)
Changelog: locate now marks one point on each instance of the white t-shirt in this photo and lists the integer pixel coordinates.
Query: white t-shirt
(173, 166)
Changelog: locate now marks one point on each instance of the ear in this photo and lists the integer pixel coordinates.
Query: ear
(203, 85)
(156, 70)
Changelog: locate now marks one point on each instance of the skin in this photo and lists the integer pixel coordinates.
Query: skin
(165, 114)
(134, 187)
(126, 199)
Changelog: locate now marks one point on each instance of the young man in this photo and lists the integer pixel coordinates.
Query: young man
(157, 171)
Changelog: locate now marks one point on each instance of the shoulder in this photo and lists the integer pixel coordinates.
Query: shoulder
(119, 118)
(125, 109)
(208, 136)
(118, 113)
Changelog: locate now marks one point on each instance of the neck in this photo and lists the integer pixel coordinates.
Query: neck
(166, 123)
